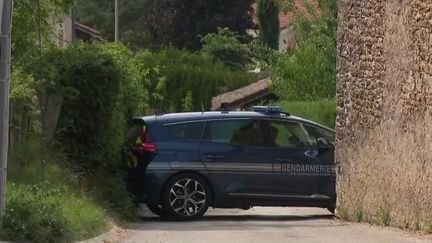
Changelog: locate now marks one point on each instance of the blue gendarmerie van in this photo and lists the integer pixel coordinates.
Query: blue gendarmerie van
(187, 162)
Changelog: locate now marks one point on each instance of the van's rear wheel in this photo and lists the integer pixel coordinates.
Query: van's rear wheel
(186, 196)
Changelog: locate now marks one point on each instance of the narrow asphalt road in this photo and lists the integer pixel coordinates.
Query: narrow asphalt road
(268, 225)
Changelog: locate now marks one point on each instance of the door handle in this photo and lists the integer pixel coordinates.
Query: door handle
(214, 156)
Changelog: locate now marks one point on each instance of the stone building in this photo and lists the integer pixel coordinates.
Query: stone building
(384, 123)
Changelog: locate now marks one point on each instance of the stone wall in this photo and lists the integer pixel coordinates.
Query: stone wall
(384, 123)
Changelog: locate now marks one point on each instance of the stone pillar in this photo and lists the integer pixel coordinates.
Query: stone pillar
(384, 121)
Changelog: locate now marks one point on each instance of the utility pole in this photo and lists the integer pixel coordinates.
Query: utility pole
(5, 57)
(116, 21)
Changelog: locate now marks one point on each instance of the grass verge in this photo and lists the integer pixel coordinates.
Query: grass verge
(48, 203)
(47, 213)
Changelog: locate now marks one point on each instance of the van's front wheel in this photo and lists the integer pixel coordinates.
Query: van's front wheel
(186, 196)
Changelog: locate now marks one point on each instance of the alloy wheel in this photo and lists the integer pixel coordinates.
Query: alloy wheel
(187, 197)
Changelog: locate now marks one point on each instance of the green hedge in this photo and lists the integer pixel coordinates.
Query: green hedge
(102, 93)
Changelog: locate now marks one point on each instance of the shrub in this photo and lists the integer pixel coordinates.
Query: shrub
(384, 216)
(99, 88)
(32, 216)
(309, 73)
(306, 75)
(39, 213)
(47, 211)
(343, 213)
(323, 111)
(89, 78)
(359, 215)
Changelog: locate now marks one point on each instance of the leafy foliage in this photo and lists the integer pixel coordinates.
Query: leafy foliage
(310, 72)
(92, 80)
(94, 76)
(187, 102)
(226, 47)
(28, 19)
(24, 105)
(180, 72)
(268, 18)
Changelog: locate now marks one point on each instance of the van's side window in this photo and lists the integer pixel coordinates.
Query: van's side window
(287, 134)
(241, 131)
(316, 132)
(189, 130)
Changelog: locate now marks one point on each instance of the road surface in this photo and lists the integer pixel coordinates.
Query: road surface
(268, 225)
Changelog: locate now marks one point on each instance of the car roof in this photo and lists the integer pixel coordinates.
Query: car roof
(197, 116)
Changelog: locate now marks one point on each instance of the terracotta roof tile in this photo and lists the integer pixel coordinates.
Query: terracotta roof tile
(231, 97)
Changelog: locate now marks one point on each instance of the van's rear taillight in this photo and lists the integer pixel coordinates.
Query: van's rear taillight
(148, 145)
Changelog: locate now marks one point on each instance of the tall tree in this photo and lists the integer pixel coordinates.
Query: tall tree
(99, 14)
(182, 23)
(160, 23)
(268, 18)
(31, 18)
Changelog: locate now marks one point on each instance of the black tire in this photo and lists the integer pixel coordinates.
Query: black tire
(186, 196)
(158, 210)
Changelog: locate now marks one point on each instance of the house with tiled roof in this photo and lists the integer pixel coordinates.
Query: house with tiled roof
(286, 37)
(260, 92)
(243, 98)
(66, 30)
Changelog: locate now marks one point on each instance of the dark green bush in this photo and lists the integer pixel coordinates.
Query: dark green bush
(88, 125)
(98, 86)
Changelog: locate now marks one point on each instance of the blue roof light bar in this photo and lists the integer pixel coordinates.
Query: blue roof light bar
(271, 110)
